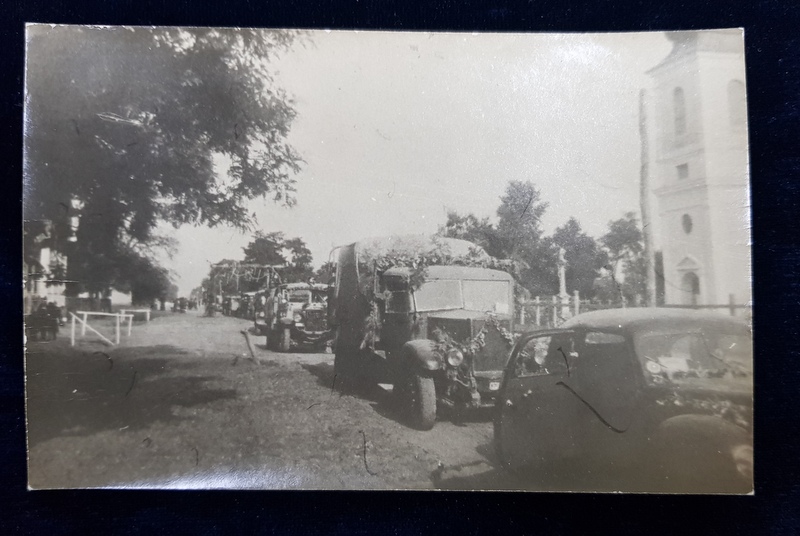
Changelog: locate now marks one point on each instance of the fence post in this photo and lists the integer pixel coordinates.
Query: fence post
(538, 311)
(117, 332)
(577, 303)
(130, 324)
(555, 311)
(72, 331)
(732, 304)
(83, 326)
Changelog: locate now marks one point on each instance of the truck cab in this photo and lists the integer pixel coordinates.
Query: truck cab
(294, 314)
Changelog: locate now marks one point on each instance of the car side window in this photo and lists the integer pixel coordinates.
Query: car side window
(544, 355)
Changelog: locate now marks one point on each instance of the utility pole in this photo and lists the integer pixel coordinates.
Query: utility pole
(644, 204)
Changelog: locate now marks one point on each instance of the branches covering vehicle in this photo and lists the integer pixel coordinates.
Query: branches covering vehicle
(431, 315)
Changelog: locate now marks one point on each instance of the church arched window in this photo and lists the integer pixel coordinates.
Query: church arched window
(679, 107)
(737, 109)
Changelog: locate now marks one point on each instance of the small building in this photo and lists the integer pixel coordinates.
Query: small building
(701, 176)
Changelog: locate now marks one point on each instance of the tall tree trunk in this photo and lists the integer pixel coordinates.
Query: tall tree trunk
(644, 203)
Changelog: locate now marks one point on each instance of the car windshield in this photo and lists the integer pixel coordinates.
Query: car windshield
(439, 294)
(703, 359)
(486, 296)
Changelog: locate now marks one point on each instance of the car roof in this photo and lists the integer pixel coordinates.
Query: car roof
(454, 272)
(647, 318)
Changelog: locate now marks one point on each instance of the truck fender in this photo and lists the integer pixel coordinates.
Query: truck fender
(421, 355)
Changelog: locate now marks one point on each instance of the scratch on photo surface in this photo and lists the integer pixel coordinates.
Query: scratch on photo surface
(364, 453)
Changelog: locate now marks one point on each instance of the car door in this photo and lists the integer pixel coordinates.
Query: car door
(607, 381)
(535, 418)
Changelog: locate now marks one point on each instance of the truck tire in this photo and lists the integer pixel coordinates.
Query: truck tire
(286, 340)
(422, 398)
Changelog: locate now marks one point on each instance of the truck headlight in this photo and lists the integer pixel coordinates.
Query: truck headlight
(454, 357)
(297, 318)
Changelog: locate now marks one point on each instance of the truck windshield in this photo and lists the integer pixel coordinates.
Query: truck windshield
(299, 296)
(439, 294)
(486, 296)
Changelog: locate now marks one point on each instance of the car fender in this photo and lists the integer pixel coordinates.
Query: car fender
(421, 355)
(704, 447)
(288, 322)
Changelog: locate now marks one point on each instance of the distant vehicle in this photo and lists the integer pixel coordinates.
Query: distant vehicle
(294, 313)
(441, 335)
(180, 305)
(247, 305)
(662, 394)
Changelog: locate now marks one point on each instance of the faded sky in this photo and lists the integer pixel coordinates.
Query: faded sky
(398, 128)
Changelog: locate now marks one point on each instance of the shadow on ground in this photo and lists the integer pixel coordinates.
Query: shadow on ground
(77, 393)
(366, 390)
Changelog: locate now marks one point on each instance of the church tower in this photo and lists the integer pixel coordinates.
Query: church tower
(701, 169)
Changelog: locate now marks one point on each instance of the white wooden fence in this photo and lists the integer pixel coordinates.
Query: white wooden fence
(83, 319)
(552, 311)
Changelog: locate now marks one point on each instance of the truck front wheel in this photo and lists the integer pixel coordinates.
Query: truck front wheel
(423, 402)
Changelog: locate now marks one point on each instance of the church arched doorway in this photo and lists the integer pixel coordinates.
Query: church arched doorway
(690, 287)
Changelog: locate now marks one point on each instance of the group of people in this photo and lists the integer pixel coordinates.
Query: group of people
(44, 322)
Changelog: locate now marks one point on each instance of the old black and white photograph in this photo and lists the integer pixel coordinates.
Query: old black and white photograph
(364, 260)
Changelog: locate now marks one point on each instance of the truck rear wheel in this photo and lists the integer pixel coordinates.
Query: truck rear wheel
(422, 398)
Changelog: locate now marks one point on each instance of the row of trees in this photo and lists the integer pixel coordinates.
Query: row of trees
(609, 268)
(267, 256)
(125, 128)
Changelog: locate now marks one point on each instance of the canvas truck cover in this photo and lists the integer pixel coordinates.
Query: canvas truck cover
(356, 261)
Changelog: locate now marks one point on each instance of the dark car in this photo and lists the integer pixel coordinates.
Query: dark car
(662, 397)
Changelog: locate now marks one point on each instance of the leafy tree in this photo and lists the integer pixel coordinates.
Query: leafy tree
(223, 278)
(299, 267)
(146, 281)
(583, 255)
(325, 273)
(519, 232)
(624, 244)
(125, 128)
(266, 249)
(291, 258)
(478, 231)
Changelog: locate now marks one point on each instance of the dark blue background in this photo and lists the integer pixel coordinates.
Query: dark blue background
(773, 58)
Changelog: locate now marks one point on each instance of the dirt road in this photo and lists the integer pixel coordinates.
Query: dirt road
(182, 403)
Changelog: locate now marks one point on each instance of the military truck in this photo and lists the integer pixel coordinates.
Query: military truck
(427, 314)
(294, 314)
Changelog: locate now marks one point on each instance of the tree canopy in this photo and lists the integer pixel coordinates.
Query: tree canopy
(583, 254)
(128, 127)
(624, 244)
(517, 236)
